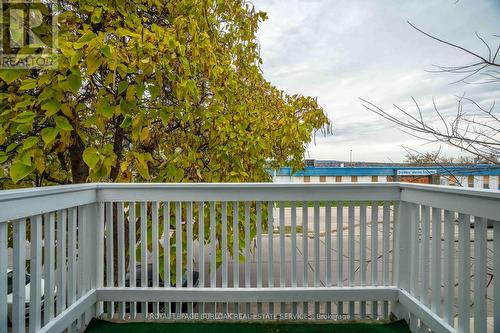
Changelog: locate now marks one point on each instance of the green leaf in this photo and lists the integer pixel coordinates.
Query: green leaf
(105, 109)
(96, 15)
(23, 104)
(74, 82)
(86, 38)
(25, 117)
(52, 106)
(25, 158)
(19, 171)
(122, 86)
(106, 51)
(127, 121)
(11, 147)
(10, 75)
(3, 157)
(63, 123)
(49, 134)
(30, 142)
(28, 85)
(93, 64)
(91, 157)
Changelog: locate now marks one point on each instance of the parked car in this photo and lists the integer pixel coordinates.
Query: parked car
(10, 294)
(161, 283)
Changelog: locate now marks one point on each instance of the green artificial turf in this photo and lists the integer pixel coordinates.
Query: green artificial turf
(102, 326)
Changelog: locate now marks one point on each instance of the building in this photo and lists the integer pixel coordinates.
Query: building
(477, 176)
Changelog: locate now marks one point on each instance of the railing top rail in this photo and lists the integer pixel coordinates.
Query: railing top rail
(247, 192)
(476, 202)
(32, 201)
(465, 191)
(32, 192)
(22, 203)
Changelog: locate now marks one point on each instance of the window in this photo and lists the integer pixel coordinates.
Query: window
(322, 179)
(338, 179)
(390, 178)
(452, 180)
(374, 179)
(470, 181)
(307, 179)
(354, 179)
(486, 182)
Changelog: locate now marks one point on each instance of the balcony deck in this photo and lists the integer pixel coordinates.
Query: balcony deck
(350, 251)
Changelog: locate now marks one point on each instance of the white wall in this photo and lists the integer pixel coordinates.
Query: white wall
(494, 182)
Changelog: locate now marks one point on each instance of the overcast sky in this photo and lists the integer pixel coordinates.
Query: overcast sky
(340, 50)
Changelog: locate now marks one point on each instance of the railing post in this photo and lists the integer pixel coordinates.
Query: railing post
(402, 250)
(496, 276)
(3, 276)
(99, 272)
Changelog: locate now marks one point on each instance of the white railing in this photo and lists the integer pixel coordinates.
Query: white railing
(352, 251)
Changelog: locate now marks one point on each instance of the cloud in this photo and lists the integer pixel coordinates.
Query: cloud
(346, 49)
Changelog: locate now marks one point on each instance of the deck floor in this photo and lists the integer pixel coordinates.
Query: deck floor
(103, 326)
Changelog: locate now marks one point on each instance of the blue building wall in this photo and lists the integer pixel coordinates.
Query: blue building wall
(474, 170)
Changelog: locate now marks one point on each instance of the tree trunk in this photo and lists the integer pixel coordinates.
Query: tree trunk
(79, 170)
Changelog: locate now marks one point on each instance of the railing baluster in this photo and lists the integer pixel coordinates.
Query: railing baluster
(436, 261)
(424, 255)
(72, 264)
(480, 252)
(449, 266)
(189, 249)
(155, 250)
(49, 263)
(374, 254)
(3, 276)
(131, 252)
(305, 255)
(258, 209)
(81, 286)
(224, 247)
(236, 256)
(352, 269)
(464, 275)
(121, 253)
(282, 249)
(109, 255)
(144, 254)
(270, 236)
(36, 274)
(99, 258)
(19, 276)
(166, 251)
(62, 216)
(415, 230)
(386, 252)
(248, 253)
(213, 243)
(328, 249)
(201, 242)
(362, 252)
(340, 253)
(496, 272)
(178, 251)
(293, 232)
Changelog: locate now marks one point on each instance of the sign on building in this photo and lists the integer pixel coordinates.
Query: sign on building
(416, 172)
